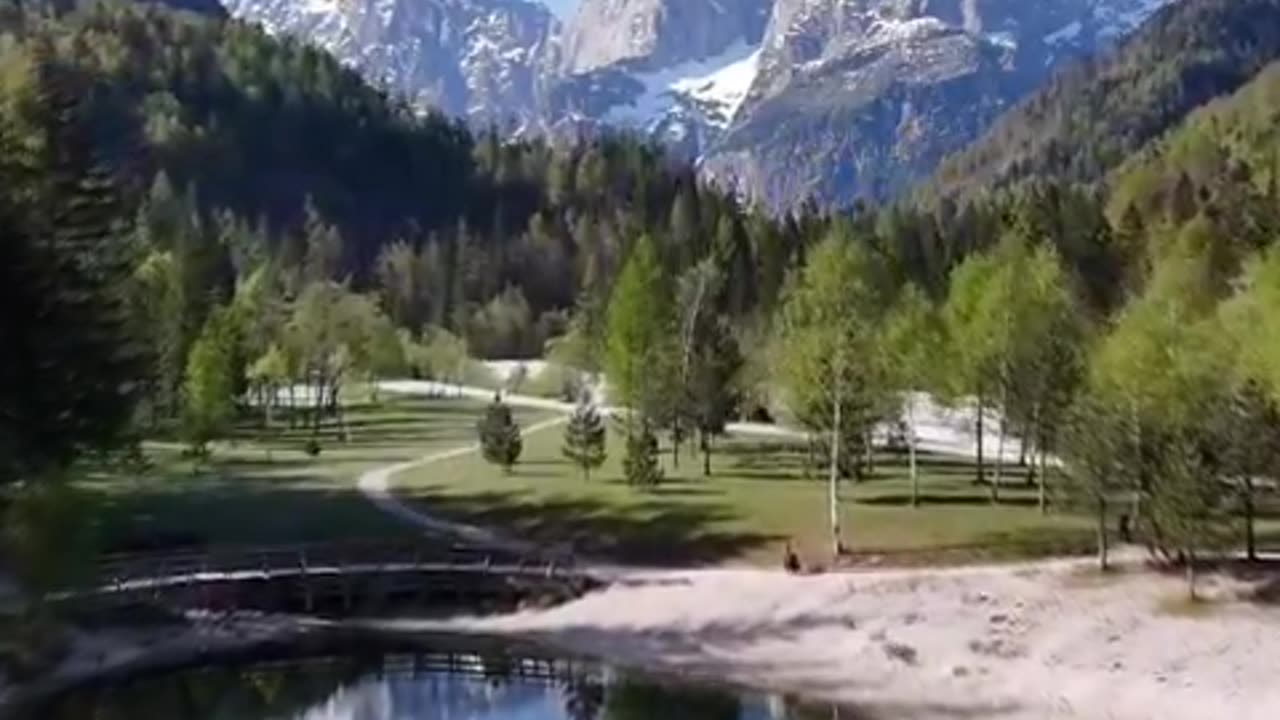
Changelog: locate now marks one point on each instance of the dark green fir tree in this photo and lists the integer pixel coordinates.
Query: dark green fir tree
(500, 440)
(584, 439)
(640, 466)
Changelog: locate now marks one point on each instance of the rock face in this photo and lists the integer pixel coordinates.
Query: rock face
(858, 98)
(673, 69)
(481, 60)
(786, 100)
(656, 34)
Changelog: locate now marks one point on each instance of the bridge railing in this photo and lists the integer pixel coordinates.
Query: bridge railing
(125, 567)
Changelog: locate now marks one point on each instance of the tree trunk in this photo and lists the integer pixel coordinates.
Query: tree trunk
(870, 447)
(1191, 574)
(675, 445)
(911, 454)
(343, 432)
(813, 456)
(999, 477)
(1250, 536)
(1044, 479)
(706, 454)
(1104, 562)
(317, 408)
(982, 470)
(1140, 482)
(1022, 448)
(1032, 430)
(153, 408)
(837, 545)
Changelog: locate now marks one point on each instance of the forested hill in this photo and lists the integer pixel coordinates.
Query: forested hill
(1088, 119)
(234, 150)
(249, 124)
(1224, 159)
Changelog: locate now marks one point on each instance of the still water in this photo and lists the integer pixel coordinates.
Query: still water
(418, 686)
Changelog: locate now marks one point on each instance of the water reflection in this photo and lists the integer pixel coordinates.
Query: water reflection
(414, 687)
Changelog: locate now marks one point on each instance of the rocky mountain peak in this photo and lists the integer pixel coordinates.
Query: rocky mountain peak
(655, 33)
(476, 59)
(877, 92)
(787, 100)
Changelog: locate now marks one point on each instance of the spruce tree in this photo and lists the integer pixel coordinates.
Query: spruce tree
(500, 441)
(73, 369)
(713, 394)
(584, 439)
(640, 465)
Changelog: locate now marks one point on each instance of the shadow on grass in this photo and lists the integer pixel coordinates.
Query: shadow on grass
(647, 532)
(184, 510)
(926, 498)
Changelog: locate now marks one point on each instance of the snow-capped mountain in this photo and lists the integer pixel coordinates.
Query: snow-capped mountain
(858, 98)
(477, 59)
(784, 99)
(675, 69)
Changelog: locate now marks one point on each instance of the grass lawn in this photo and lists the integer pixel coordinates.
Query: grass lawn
(258, 490)
(758, 497)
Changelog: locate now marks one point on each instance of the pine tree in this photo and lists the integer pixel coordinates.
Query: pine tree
(640, 466)
(713, 394)
(732, 252)
(684, 243)
(72, 367)
(500, 440)
(584, 439)
(156, 316)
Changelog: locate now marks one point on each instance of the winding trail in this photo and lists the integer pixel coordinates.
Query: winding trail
(375, 485)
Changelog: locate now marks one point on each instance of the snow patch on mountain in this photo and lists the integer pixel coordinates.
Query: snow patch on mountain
(726, 88)
(716, 86)
(1121, 18)
(1066, 33)
(888, 30)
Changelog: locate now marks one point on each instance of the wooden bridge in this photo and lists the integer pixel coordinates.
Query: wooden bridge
(330, 579)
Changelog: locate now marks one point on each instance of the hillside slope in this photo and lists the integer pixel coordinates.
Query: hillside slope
(1222, 161)
(1089, 119)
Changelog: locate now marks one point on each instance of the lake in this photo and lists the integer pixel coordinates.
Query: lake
(427, 685)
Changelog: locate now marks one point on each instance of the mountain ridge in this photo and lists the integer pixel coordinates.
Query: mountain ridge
(1087, 120)
(783, 100)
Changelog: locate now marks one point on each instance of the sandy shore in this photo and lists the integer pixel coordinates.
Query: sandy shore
(1037, 641)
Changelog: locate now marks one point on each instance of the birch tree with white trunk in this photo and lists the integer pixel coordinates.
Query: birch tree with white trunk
(828, 352)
